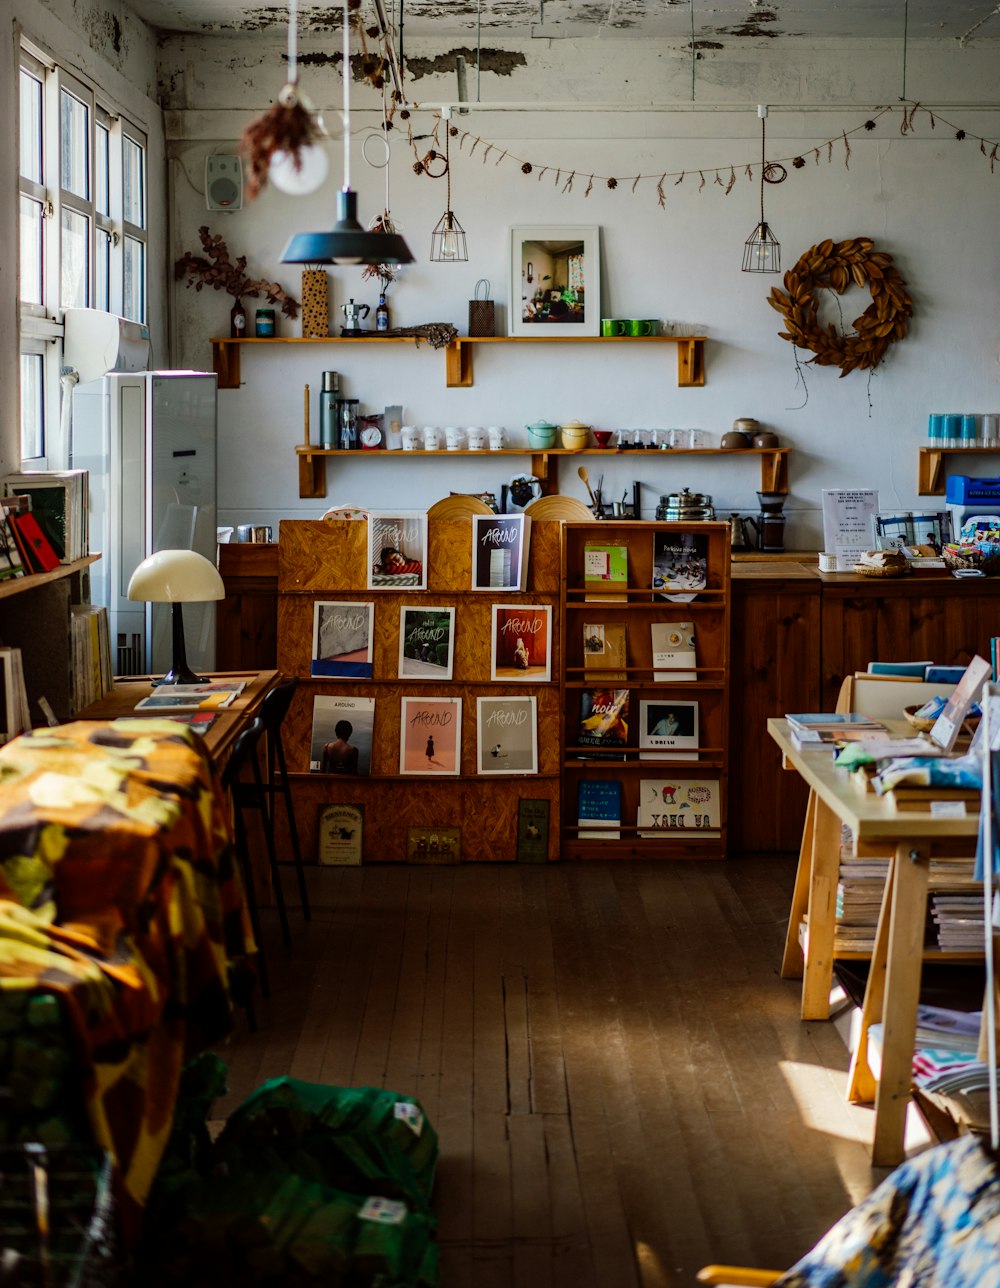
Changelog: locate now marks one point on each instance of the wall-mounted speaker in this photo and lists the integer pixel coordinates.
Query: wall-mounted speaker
(223, 182)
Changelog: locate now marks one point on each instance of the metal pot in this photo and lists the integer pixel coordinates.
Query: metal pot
(685, 507)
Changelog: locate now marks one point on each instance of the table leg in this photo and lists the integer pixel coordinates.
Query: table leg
(791, 961)
(902, 993)
(861, 1084)
(817, 974)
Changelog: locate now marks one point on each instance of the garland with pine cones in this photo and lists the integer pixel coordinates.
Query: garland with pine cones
(835, 265)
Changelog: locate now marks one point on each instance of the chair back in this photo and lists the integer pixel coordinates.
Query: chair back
(275, 706)
(244, 748)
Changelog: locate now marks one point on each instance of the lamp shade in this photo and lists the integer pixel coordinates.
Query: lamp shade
(176, 577)
(347, 242)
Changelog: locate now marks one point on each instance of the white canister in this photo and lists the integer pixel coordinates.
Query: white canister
(827, 561)
(477, 438)
(432, 438)
(454, 439)
(411, 438)
(495, 434)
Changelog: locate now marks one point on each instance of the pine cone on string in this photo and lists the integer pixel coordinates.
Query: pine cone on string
(612, 184)
(799, 162)
(526, 168)
(869, 125)
(960, 135)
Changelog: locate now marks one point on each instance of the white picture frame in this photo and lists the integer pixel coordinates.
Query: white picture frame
(542, 303)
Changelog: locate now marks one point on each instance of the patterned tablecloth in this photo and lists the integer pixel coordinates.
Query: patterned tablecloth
(119, 895)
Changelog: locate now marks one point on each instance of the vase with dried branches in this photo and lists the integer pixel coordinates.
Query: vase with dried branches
(217, 270)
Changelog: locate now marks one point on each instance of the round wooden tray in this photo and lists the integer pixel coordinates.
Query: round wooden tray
(556, 506)
(459, 505)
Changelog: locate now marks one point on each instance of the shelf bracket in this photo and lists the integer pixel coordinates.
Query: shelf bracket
(690, 363)
(312, 476)
(774, 471)
(929, 480)
(226, 364)
(458, 365)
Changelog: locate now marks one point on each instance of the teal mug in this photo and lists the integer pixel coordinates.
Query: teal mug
(614, 326)
(643, 326)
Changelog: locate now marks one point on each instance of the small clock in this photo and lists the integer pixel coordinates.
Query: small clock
(371, 438)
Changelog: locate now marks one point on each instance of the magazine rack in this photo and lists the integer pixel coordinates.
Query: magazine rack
(328, 561)
(629, 768)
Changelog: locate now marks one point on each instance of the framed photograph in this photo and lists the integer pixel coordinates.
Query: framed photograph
(426, 643)
(522, 643)
(668, 730)
(430, 736)
(342, 639)
(555, 281)
(506, 736)
(397, 551)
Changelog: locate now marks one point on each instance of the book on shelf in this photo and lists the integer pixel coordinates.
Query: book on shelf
(605, 572)
(342, 735)
(426, 643)
(12, 560)
(500, 551)
(35, 546)
(957, 708)
(680, 564)
(430, 735)
(673, 806)
(189, 699)
(507, 735)
(603, 719)
(16, 715)
(343, 639)
(906, 670)
(199, 721)
(604, 651)
(397, 551)
(599, 809)
(90, 653)
(673, 648)
(668, 730)
(59, 504)
(521, 642)
(836, 720)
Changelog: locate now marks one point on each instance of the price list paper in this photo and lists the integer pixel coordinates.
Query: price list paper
(847, 523)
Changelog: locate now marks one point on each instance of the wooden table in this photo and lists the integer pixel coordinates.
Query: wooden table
(224, 729)
(893, 986)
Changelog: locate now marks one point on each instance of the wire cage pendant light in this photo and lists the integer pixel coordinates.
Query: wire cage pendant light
(347, 242)
(448, 238)
(762, 250)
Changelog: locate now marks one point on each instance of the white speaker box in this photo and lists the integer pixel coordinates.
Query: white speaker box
(223, 182)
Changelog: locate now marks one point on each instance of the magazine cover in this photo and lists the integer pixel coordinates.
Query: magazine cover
(599, 809)
(342, 735)
(668, 730)
(673, 651)
(397, 551)
(679, 805)
(507, 735)
(522, 642)
(603, 718)
(604, 653)
(430, 736)
(426, 643)
(342, 639)
(680, 563)
(605, 571)
(500, 551)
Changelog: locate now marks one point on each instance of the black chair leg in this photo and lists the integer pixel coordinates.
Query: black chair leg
(267, 822)
(293, 830)
(243, 858)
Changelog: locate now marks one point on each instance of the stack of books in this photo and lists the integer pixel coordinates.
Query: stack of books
(958, 920)
(823, 729)
(859, 899)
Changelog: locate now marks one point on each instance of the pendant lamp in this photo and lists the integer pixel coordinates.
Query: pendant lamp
(448, 238)
(347, 242)
(762, 251)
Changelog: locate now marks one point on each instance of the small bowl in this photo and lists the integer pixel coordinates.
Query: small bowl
(575, 435)
(603, 436)
(735, 439)
(541, 434)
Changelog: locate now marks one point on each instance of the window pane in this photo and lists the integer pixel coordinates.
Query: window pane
(133, 205)
(102, 271)
(31, 250)
(31, 127)
(75, 260)
(134, 284)
(32, 423)
(73, 134)
(102, 189)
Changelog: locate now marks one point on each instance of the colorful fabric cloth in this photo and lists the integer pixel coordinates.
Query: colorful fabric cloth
(119, 894)
(934, 1223)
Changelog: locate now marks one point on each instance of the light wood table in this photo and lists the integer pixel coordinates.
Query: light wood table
(893, 986)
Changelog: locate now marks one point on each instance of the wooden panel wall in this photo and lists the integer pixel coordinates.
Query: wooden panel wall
(246, 621)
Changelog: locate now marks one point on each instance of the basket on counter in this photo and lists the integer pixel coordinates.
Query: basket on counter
(983, 559)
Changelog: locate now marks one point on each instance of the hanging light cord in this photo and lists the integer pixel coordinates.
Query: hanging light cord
(293, 42)
(763, 165)
(346, 113)
(447, 163)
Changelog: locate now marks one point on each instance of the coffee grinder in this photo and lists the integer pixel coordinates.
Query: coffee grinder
(769, 524)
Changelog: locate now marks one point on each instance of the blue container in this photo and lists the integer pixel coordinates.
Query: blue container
(935, 427)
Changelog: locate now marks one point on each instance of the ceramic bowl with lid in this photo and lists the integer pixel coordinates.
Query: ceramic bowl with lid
(542, 434)
(574, 434)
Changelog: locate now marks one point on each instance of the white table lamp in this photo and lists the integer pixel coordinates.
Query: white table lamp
(176, 577)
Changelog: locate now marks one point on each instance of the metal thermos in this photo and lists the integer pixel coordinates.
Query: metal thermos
(329, 425)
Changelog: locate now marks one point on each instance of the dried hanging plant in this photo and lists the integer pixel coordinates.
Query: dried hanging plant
(288, 126)
(217, 270)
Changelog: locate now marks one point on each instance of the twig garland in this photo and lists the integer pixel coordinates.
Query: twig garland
(835, 265)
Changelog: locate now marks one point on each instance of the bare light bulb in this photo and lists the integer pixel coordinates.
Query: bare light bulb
(449, 244)
(299, 180)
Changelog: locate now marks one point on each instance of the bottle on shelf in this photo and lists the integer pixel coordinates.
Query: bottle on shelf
(382, 314)
(329, 423)
(237, 320)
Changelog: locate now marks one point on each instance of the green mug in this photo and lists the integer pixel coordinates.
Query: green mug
(643, 326)
(614, 326)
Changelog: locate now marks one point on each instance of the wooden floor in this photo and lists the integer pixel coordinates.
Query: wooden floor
(621, 1084)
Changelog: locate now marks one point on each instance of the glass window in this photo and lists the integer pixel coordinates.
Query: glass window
(133, 188)
(74, 149)
(134, 284)
(32, 405)
(74, 260)
(102, 271)
(102, 170)
(31, 250)
(31, 127)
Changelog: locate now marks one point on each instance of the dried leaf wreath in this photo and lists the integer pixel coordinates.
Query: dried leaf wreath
(835, 265)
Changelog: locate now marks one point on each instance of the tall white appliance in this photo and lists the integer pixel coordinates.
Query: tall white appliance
(148, 439)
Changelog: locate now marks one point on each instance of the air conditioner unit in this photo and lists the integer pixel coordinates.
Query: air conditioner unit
(95, 343)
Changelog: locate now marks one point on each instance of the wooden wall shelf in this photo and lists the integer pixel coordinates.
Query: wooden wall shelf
(544, 464)
(458, 354)
(930, 474)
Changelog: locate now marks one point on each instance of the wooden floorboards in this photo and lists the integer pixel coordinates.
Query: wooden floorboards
(620, 1081)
